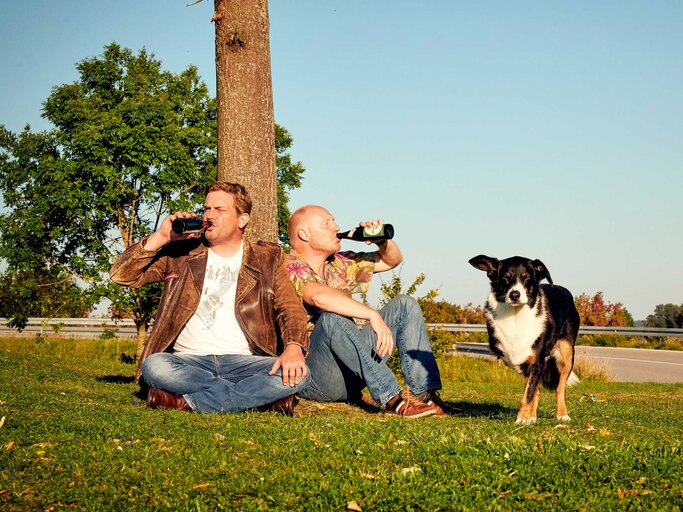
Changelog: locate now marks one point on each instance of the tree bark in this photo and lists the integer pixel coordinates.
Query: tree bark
(140, 340)
(244, 95)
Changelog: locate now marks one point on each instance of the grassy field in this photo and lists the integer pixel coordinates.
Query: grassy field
(74, 435)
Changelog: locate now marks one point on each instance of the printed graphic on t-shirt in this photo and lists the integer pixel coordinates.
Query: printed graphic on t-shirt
(219, 280)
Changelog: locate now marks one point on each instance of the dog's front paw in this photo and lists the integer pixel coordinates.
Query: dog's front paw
(526, 421)
(564, 418)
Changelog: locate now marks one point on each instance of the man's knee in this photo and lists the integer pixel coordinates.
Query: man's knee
(154, 367)
(406, 304)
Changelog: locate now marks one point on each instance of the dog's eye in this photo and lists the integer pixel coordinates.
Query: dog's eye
(525, 276)
(507, 276)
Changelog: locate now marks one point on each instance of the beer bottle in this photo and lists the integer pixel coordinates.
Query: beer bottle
(372, 233)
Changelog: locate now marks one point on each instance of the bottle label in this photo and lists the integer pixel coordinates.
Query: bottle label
(373, 230)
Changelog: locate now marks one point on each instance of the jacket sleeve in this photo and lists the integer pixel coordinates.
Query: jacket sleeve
(137, 267)
(291, 315)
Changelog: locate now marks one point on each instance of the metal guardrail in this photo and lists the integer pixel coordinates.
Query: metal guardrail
(91, 328)
(125, 328)
(647, 332)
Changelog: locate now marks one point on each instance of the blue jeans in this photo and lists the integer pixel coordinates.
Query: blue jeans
(342, 358)
(218, 384)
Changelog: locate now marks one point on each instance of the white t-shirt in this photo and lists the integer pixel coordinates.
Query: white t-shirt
(213, 329)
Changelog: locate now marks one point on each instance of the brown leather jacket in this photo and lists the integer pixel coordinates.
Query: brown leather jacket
(266, 305)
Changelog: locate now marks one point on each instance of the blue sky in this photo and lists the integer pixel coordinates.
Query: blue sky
(552, 130)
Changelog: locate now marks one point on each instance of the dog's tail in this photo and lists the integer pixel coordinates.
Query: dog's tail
(573, 379)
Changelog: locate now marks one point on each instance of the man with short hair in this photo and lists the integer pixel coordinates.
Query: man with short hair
(343, 359)
(230, 333)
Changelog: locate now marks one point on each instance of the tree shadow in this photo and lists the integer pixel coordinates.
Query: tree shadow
(116, 379)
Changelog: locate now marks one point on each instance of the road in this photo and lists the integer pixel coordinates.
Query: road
(636, 364)
(623, 364)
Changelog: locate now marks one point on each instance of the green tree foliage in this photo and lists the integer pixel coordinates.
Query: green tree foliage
(131, 143)
(442, 312)
(289, 176)
(30, 293)
(433, 311)
(595, 311)
(394, 288)
(666, 315)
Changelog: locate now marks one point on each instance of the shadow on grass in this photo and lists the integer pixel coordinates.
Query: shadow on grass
(469, 409)
(116, 379)
(479, 410)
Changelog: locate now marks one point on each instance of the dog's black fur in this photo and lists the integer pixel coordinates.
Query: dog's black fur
(531, 326)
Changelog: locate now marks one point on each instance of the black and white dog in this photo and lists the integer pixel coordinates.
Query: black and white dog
(532, 327)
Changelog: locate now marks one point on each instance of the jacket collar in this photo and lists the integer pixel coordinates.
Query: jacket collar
(249, 259)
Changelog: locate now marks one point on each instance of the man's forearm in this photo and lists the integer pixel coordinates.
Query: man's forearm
(335, 301)
(389, 255)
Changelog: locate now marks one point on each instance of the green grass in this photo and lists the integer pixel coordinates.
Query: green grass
(76, 436)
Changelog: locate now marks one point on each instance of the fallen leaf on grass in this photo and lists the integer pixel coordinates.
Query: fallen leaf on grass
(622, 493)
(587, 447)
(352, 505)
(538, 497)
(368, 476)
(45, 445)
(202, 486)
(9, 445)
(412, 469)
(2, 421)
(589, 427)
(604, 432)
(317, 442)
(218, 436)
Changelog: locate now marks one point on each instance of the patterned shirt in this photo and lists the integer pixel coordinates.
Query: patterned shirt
(348, 271)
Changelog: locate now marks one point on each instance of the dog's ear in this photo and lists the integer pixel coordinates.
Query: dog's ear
(541, 271)
(487, 264)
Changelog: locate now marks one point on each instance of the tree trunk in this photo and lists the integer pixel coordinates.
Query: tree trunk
(141, 339)
(244, 95)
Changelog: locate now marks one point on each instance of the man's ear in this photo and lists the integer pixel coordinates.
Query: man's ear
(243, 220)
(302, 234)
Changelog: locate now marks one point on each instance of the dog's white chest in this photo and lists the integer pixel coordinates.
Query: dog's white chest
(516, 329)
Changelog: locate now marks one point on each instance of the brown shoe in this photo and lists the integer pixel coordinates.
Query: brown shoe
(432, 397)
(284, 406)
(160, 399)
(406, 405)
